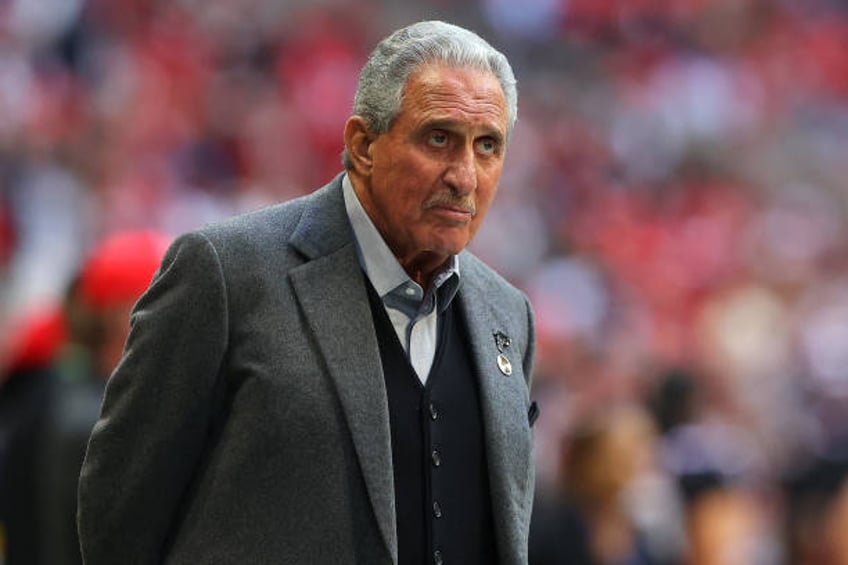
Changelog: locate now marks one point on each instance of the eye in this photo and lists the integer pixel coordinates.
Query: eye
(487, 146)
(438, 138)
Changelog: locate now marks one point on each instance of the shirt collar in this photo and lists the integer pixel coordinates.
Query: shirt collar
(380, 264)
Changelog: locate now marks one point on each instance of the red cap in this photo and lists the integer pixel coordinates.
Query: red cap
(39, 337)
(120, 268)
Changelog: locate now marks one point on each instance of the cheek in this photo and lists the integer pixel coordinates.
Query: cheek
(410, 176)
(418, 185)
(409, 201)
(488, 177)
(485, 197)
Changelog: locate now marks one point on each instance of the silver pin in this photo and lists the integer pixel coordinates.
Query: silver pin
(504, 365)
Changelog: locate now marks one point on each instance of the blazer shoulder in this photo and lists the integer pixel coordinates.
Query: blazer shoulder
(312, 225)
(275, 222)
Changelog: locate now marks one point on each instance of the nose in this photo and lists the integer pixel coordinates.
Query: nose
(461, 174)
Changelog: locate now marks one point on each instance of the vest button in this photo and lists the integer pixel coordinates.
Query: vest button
(434, 414)
(437, 510)
(436, 457)
(437, 557)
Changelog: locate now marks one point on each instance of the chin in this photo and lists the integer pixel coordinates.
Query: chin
(449, 249)
(447, 242)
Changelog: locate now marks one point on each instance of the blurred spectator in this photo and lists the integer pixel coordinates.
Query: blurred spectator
(713, 466)
(589, 521)
(25, 389)
(50, 397)
(725, 527)
(815, 524)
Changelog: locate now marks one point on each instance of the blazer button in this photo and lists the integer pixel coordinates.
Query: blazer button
(436, 457)
(437, 510)
(437, 557)
(434, 414)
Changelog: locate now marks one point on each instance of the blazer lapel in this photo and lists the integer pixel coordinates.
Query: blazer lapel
(504, 401)
(331, 291)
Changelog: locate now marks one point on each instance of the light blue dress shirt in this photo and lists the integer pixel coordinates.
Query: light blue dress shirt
(413, 313)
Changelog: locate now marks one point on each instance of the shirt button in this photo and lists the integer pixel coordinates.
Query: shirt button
(437, 510)
(410, 291)
(436, 457)
(437, 557)
(434, 414)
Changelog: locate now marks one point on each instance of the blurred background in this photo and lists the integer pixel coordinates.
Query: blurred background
(674, 202)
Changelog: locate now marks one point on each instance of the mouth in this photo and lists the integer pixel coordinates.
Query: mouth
(452, 209)
(452, 213)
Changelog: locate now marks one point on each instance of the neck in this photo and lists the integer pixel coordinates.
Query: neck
(423, 267)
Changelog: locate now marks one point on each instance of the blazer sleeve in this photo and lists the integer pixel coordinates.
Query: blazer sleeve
(156, 410)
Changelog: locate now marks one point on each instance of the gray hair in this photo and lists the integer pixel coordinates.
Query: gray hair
(379, 93)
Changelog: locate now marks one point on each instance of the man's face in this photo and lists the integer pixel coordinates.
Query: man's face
(435, 172)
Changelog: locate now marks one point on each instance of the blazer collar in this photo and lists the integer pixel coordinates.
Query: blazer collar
(330, 288)
(324, 226)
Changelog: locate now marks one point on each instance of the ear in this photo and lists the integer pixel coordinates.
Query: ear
(358, 142)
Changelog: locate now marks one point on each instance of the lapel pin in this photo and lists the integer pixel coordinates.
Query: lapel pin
(502, 342)
(504, 365)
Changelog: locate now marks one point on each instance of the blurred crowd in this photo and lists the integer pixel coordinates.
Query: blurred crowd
(674, 202)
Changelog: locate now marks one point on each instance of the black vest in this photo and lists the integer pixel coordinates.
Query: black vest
(443, 506)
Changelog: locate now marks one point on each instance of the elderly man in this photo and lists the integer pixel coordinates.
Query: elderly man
(334, 380)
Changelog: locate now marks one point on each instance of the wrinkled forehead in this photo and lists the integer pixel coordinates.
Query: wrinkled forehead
(442, 92)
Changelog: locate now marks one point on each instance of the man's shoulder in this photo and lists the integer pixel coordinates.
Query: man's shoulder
(276, 218)
(269, 227)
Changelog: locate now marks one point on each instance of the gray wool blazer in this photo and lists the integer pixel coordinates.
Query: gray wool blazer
(248, 422)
